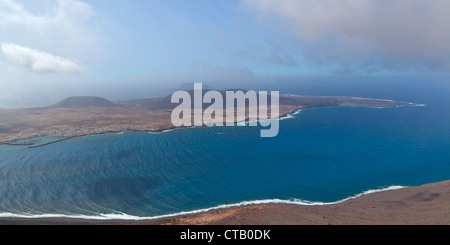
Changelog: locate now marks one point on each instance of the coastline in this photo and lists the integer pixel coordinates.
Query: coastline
(214, 215)
(288, 114)
(425, 204)
(84, 121)
(284, 115)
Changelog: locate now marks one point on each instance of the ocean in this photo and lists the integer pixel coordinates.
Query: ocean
(320, 156)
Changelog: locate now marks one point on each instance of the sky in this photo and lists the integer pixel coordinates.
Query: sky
(123, 49)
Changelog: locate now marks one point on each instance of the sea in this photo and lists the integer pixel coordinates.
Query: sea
(320, 157)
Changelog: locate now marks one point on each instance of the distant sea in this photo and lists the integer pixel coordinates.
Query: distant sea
(320, 156)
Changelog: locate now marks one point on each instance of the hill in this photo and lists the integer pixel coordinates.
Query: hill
(83, 101)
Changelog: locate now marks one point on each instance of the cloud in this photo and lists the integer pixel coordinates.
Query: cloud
(59, 25)
(38, 61)
(401, 34)
(279, 56)
(66, 12)
(270, 52)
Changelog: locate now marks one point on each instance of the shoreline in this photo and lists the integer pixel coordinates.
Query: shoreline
(424, 204)
(284, 116)
(274, 201)
(81, 122)
(175, 218)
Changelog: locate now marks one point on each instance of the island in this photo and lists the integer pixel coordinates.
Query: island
(79, 116)
(86, 115)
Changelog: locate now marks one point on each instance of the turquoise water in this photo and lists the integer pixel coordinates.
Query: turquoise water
(321, 155)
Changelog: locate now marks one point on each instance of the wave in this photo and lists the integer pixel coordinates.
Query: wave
(287, 116)
(124, 216)
(170, 130)
(161, 132)
(291, 115)
(398, 106)
(409, 104)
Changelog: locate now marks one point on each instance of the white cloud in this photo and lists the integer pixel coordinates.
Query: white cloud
(62, 11)
(38, 61)
(391, 34)
(62, 26)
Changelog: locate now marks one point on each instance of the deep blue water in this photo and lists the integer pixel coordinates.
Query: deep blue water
(320, 155)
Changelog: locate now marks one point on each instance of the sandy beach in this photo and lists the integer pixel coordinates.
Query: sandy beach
(422, 205)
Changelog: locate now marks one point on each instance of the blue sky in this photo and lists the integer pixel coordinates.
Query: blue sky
(194, 39)
(123, 48)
